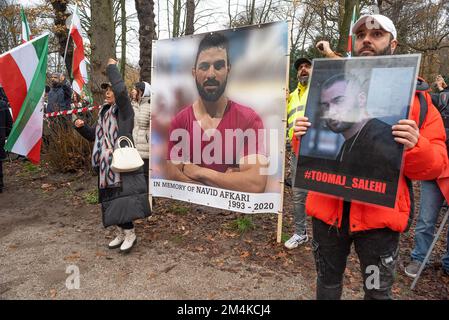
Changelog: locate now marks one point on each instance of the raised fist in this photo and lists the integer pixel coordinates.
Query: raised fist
(79, 123)
(324, 47)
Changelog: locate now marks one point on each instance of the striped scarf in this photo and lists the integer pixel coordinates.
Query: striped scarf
(106, 135)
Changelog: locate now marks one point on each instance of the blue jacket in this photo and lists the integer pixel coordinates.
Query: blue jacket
(59, 97)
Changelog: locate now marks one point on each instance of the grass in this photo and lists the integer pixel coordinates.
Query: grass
(284, 237)
(31, 168)
(242, 224)
(91, 197)
(177, 239)
(28, 170)
(180, 210)
(68, 192)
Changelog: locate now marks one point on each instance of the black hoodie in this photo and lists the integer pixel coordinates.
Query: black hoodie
(5, 122)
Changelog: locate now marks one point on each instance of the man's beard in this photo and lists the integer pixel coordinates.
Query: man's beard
(341, 124)
(338, 126)
(385, 52)
(211, 96)
(304, 80)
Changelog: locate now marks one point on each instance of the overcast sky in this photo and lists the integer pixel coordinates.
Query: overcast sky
(213, 13)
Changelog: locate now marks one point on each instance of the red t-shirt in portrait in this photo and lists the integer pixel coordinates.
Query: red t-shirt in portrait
(240, 133)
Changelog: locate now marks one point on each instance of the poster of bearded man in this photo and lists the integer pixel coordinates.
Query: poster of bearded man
(218, 133)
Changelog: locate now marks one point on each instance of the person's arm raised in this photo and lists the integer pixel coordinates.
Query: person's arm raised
(84, 130)
(325, 49)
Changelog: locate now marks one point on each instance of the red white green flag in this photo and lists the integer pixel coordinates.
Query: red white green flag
(351, 36)
(23, 76)
(79, 65)
(26, 33)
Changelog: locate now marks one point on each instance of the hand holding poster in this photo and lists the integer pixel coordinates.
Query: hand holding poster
(217, 111)
(350, 150)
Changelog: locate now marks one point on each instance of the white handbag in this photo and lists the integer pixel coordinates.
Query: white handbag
(126, 159)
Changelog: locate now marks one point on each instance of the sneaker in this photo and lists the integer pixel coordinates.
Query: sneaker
(129, 242)
(412, 269)
(117, 242)
(296, 240)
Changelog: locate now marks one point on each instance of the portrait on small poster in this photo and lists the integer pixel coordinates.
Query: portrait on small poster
(350, 151)
(218, 106)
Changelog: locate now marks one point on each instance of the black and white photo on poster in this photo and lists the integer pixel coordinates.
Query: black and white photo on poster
(350, 151)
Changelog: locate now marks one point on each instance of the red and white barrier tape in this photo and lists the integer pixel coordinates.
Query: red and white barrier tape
(68, 112)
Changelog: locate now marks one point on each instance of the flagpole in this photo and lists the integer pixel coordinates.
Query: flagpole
(68, 39)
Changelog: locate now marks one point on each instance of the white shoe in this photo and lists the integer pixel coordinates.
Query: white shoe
(129, 242)
(296, 240)
(117, 242)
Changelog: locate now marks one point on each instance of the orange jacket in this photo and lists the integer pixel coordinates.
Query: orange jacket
(423, 162)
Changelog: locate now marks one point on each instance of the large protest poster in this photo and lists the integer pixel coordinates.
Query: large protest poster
(350, 151)
(217, 129)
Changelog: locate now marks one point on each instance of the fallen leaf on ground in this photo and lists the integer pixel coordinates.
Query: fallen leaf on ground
(73, 257)
(100, 254)
(53, 293)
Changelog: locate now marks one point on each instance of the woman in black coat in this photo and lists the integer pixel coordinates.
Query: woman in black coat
(5, 129)
(123, 196)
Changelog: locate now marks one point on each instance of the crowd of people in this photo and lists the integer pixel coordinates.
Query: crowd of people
(375, 230)
(336, 223)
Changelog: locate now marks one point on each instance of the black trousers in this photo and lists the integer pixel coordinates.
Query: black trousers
(377, 251)
(127, 226)
(1, 176)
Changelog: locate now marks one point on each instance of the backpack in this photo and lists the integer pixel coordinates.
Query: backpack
(423, 108)
(441, 102)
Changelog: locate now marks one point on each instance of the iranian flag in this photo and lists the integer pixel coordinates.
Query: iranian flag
(79, 65)
(351, 36)
(26, 33)
(23, 76)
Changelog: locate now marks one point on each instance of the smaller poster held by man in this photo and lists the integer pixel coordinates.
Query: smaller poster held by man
(350, 151)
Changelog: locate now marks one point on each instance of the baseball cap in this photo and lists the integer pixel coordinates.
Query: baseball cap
(300, 61)
(374, 21)
(105, 85)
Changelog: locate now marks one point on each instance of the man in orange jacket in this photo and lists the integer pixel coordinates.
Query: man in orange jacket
(374, 230)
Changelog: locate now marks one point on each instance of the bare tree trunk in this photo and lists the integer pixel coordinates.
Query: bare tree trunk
(123, 55)
(103, 39)
(190, 17)
(61, 31)
(253, 12)
(347, 6)
(176, 18)
(145, 14)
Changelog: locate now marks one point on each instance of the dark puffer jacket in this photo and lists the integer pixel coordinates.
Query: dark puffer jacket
(5, 123)
(129, 201)
(59, 97)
